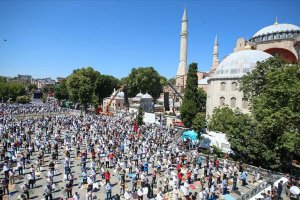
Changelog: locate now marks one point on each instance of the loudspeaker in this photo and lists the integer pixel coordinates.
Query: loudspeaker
(166, 101)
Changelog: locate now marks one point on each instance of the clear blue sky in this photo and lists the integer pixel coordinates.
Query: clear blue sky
(51, 38)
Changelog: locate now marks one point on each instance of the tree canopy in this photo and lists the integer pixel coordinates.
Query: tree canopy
(144, 79)
(81, 85)
(201, 100)
(105, 85)
(189, 109)
(270, 136)
(61, 92)
(11, 90)
(199, 122)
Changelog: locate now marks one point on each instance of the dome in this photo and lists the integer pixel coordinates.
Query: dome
(277, 28)
(139, 95)
(147, 96)
(120, 94)
(239, 63)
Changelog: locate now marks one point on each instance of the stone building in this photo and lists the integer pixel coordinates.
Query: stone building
(275, 40)
(118, 103)
(279, 39)
(223, 85)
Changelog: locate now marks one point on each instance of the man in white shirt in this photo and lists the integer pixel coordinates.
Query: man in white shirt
(127, 195)
(140, 193)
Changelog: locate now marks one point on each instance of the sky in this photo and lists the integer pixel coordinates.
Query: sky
(52, 38)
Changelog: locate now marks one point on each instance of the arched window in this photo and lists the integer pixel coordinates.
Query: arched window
(245, 103)
(265, 38)
(222, 101)
(232, 102)
(233, 86)
(270, 37)
(223, 84)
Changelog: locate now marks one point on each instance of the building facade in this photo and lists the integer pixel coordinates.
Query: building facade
(223, 84)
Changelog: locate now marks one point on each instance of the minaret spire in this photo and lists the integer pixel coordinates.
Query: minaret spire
(182, 67)
(216, 40)
(216, 60)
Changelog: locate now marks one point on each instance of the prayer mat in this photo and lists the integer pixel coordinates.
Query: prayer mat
(11, 187)
(197, 183)
(131, 175)
(228, 197)
(134, 195)
(192, 186)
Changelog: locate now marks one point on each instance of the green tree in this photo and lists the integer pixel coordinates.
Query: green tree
(49, 89)
(11, 90)
(32, 87)
(140, 116)
(240, 132)
(105, 85)
(189, 109)
(199, 122)
(23, 99)
(172, 81)
(221, 119)
(273, 89)
(201, 100)
(61, 92)
(2, 79)
(144, 79)
(81, 85)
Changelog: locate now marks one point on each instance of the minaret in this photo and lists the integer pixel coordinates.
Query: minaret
(216, 60)
(182, 67)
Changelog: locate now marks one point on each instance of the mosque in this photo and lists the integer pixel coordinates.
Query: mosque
(221, 82)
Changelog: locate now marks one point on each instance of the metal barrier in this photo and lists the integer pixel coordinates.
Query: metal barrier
(268, 176)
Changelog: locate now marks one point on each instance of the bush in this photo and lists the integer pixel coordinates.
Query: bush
(218, 152)
(23, 99)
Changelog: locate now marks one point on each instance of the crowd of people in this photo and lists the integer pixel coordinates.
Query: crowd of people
(32, 108)
(104, 157)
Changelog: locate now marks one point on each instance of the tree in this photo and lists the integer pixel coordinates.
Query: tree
(273, 89)
(172, 81)
(269, 136)
(105, 85)
(81, 85)
(60, 91)
(23, 99)
(140, 116)
(199, 122)
(201, 100)
(239, 129)
(32, 87)
(188, 109)
(2, 79)
(221, 119)
(144, 79)
(10, 90)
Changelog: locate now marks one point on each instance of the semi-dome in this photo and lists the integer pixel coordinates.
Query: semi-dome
(239, 63)
(277, 28)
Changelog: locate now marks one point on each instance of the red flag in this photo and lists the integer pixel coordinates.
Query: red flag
(135, 126)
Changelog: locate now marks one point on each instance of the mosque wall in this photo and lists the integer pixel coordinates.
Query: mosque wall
(224, 92)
